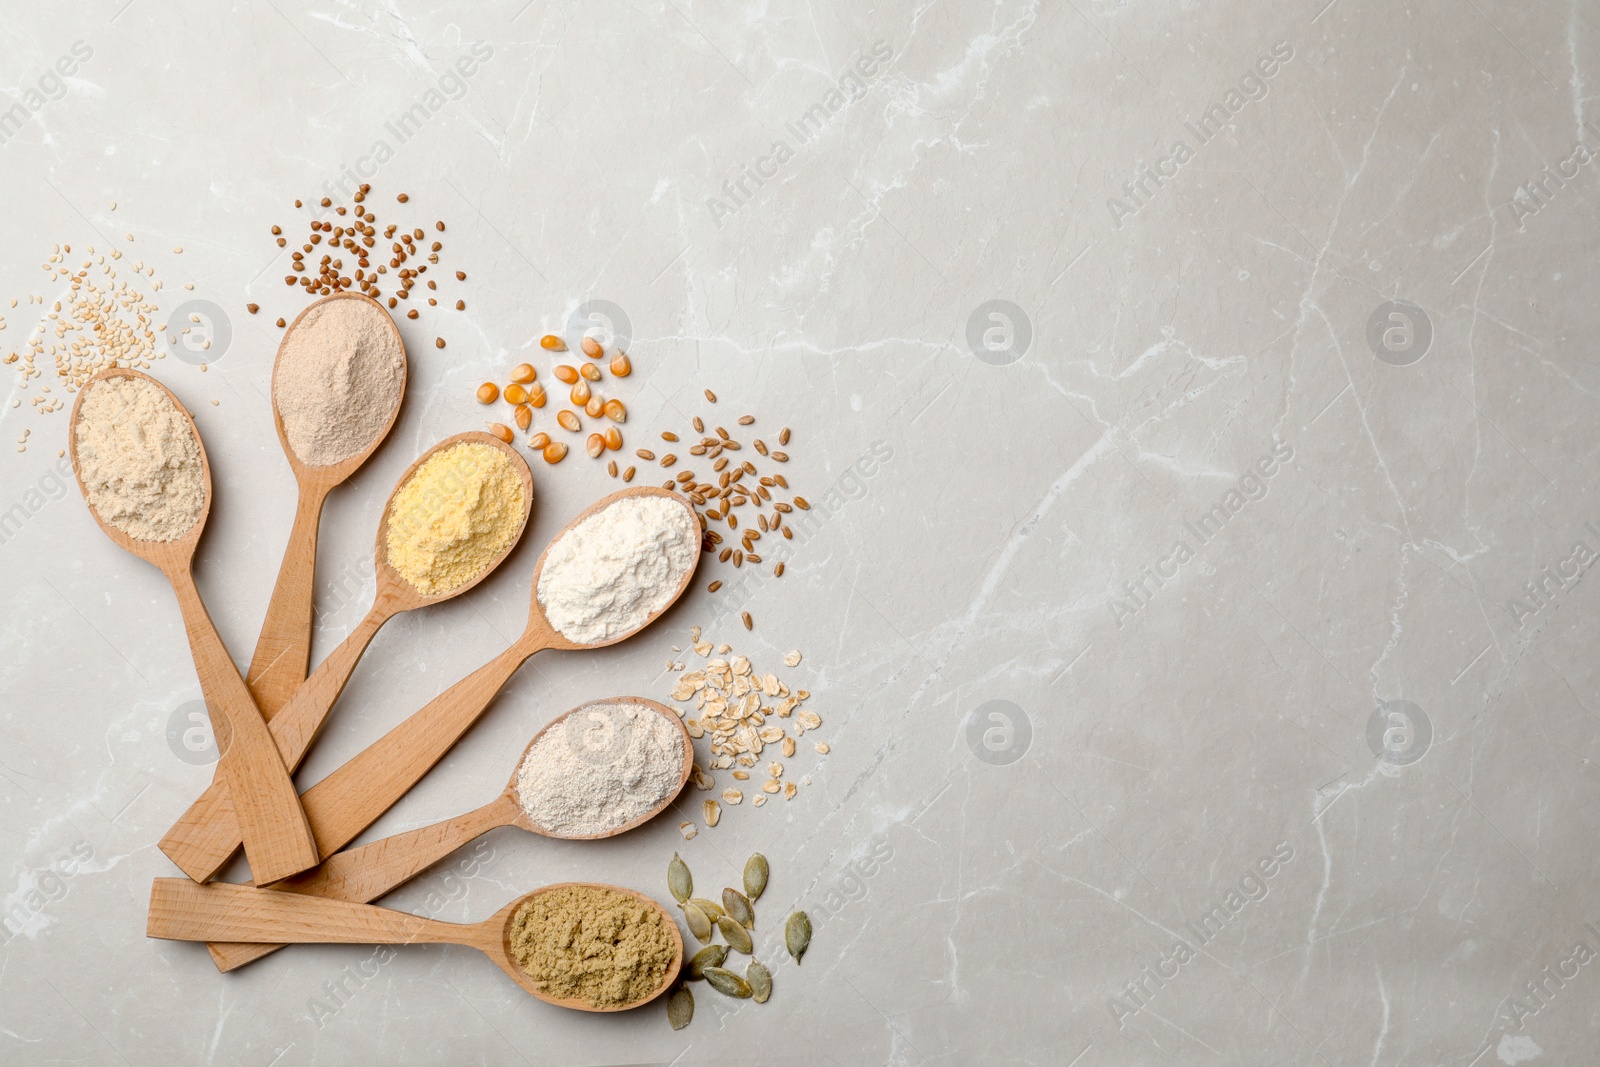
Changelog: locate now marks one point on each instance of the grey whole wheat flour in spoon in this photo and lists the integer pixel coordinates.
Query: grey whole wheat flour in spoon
(338, 379)
(604, 766)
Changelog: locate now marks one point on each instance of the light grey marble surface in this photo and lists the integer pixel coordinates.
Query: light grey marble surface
(1078, 881)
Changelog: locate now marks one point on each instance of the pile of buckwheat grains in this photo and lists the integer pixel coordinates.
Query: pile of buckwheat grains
(732, 717)
(354, 233)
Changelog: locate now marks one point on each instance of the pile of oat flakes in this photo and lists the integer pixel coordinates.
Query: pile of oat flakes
(730, 704)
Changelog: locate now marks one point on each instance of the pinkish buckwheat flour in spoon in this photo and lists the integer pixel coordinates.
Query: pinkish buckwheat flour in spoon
(338, 379)
(611, 572)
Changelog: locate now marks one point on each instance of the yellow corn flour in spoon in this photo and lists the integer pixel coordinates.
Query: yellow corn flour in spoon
(594, 944)
(456, 514)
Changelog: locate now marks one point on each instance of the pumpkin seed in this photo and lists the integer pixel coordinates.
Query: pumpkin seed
(755, 876)
(710, 907)
(680, 1008)
(679, 880)
(727, 983)
(699, 923)
(737, 936)
(737, 907)
(797, 934)
(760, 980)
(710, 956)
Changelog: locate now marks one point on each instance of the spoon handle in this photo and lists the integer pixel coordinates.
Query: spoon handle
(283, 651)
(181, 910)
(277, 837)
(207, 835)
(351, 798)
(364, 874)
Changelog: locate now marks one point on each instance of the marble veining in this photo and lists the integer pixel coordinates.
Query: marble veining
(1197, 402)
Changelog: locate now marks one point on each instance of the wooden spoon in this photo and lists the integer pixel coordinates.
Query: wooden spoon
(276, 835)
(283, 651)
(181, 910)
(364, 874)
(351, 798)
(204, 838)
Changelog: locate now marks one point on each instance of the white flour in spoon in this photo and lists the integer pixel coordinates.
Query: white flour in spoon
(604, 577)
(602, 766)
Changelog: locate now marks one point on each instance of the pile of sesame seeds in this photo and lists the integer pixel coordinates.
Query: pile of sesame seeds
(736, 485)
(103, 320)
(732, 715)
(353, 233)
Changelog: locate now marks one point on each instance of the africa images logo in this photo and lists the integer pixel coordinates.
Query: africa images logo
(1399, 333)
(1252, 888)
(1554, 580)
(599, 734)
(1205, 528)
(1150, 177)
(805, 128)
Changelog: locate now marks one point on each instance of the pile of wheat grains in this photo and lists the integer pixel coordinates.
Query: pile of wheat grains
(733, 484)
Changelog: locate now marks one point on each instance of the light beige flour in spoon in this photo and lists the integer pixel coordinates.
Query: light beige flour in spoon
(338, 380)
(139, 460)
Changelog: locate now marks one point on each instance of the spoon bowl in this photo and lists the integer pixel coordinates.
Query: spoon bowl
(392, 585)
(525, 821)
(283, 650)
(508, 961)
(169, 556)
(541, 630)
(333, 473)
(181, 910)
(207, 834)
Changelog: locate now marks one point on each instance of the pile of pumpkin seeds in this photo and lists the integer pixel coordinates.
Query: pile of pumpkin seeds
(734, 919)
